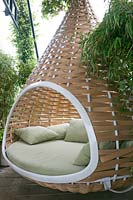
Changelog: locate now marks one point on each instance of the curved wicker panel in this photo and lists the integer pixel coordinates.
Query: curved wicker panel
(60, 64)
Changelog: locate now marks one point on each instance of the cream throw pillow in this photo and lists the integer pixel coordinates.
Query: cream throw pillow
(35, 134)
(83, 157)
(60, 129)
(76, 131)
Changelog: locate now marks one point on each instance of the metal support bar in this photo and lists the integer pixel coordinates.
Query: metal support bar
(11, 9)
(11, 5)
(33, 32)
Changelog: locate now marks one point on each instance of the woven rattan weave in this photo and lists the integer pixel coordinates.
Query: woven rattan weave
(61, 64)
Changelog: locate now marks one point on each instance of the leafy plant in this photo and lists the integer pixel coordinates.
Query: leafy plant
(22, 38)
(108, 51)
(24, 70)
(52, 8)
(8, 86)
(1, 134)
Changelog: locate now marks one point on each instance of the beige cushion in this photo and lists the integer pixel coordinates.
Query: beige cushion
(83, 157)
(60, 129)
(54, 157)
(35, 134)
(76, 131)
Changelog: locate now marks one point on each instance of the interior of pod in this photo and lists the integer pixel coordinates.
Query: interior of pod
(52, 132)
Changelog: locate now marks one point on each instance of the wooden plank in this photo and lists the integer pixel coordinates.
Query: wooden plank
(110, 136)
(112, 154)
(19, 188)
(111, 164)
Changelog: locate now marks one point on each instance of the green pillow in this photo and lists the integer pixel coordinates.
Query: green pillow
(35, 134)
(83, 157)
(76, 131)
(106, 145)
(60, 129)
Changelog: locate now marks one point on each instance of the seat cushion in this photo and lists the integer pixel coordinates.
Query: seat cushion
(48, 158)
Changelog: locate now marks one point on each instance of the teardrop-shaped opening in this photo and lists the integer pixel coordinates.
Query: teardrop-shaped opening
(47, 104)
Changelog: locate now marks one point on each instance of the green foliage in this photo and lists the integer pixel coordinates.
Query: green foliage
(52, 8)
(8, 86)
(22, 38)
(1, 134)
(108, 51)
(24, 70)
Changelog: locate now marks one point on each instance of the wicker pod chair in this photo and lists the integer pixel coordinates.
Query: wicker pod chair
(58, 89)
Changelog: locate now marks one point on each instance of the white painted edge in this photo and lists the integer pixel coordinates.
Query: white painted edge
(88, 170)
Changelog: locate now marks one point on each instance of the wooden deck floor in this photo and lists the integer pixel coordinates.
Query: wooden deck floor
(14, 187)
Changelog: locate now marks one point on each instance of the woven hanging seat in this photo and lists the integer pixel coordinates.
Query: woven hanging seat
(57, 90)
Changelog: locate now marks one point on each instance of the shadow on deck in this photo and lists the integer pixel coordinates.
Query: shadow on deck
(15, 187)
